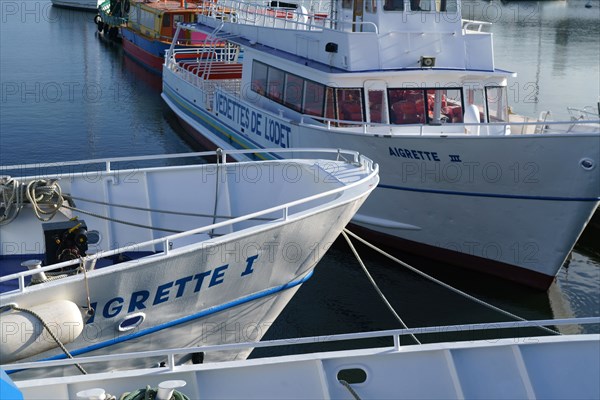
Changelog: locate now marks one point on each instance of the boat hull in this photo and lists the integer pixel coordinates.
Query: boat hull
(223, 286)
(512, 205)
(149, 53)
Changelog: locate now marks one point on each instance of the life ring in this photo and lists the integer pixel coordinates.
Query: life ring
(97, 19)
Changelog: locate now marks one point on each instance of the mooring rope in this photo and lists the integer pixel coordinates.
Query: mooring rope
(445, 285)
(350, 389)
(57, 340)
(160, 211)
(79, 210)
(387, 303)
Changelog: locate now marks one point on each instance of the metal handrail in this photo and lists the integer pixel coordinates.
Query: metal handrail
(329, 124)
(372, 167)
(394, 333)
(239, 8)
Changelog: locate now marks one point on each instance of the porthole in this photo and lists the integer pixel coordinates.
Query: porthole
(131, 322)
(352, 375)
(587, 164)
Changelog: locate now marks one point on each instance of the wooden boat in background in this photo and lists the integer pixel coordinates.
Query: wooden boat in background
(147, 29)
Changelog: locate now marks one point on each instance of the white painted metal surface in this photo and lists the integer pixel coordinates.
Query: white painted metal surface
(250, 234)
(533, 367)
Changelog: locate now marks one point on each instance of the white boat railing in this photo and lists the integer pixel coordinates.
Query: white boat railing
(358, 159)
(501, 128)
(395, 334)
(314, 15)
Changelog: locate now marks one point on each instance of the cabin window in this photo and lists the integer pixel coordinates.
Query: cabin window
(407, 106)
(420, 5)
(178, 18)
(166, 22)
(377, 109)
(371, 6)
(275, 79)
(293, 92)
(446, 5)
(349, 102)
(451, 109)
(147, 19)
(497, 104)
(314, 96)
(393, 5)
(259, 77)
(475, 97)
(329, 104)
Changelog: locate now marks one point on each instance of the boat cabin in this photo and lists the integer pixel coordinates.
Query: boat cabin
(158, 20)
(376, 98)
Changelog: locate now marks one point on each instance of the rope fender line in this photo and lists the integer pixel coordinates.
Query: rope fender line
(350, 389)
(52, 335)
(443, 284)
(387, 303)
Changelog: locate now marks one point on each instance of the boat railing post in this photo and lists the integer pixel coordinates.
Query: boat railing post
(108, 167)
(397, 342)
(21, 283)
(171, 359)
(166, 247)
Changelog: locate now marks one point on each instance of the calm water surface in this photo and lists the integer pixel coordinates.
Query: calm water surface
(68, 95)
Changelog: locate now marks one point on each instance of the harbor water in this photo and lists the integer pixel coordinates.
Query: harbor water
(66, 94)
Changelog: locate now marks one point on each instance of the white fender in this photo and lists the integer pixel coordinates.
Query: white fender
(23, 335)
(472, 117)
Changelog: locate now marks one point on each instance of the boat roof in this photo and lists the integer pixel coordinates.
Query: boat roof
(263, 51)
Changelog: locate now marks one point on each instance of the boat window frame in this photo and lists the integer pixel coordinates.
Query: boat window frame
(487, 103)
(393, 5)
(276, 85)
(462, 104)
(296, 107)
(308, 82)
(260, 90)
(166, 20)
(371, 6)
(340, 105)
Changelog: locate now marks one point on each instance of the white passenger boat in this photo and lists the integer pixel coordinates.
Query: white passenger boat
(416, 88)
(89, 5)
(126, 256)
(530, 367)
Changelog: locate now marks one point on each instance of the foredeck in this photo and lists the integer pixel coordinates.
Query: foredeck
(527, 367)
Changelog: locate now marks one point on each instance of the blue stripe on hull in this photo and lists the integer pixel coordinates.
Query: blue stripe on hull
(171, 324)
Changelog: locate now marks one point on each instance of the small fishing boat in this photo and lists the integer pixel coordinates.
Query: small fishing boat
(526, 367)
(416, 88)
(117, 255)
(87, 5)
(147, 29)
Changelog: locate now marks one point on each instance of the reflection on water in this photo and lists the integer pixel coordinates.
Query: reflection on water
(554, 46)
